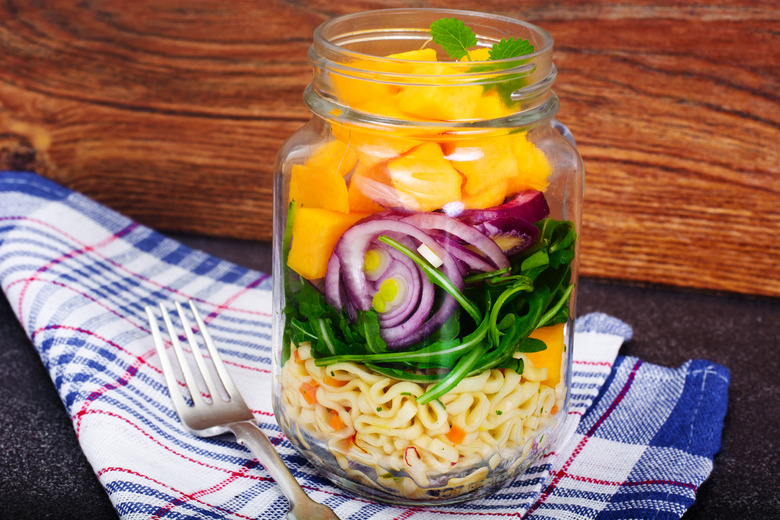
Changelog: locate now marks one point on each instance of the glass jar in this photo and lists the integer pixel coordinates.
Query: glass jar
(425, 259)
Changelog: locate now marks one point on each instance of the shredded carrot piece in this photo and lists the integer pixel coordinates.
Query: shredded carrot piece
(297, 357)
(309, 392)
(335, 421)
(554, 409)
(456, 435)
(332, 381)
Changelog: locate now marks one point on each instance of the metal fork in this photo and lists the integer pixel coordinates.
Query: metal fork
(219, 416)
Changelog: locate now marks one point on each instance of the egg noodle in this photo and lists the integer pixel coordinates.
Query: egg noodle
(375, 422)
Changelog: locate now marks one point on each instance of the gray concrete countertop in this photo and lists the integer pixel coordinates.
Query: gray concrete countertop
(46, 476)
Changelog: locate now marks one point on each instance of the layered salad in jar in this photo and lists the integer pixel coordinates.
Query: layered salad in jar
(427, 288)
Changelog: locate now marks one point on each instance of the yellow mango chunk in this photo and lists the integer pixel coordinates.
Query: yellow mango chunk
(491, 196)
(372, 147)
(427, 54)
(424, 178)
(360, 86)
(384, 106)
(334, 155)
(552, 356)
(363, 86)
(439, 103)
(363, 188)
(481, 54)
(490, 106)
(484, 162)
(387, 105)
(315, 232)
(533, 168)
(319, 188)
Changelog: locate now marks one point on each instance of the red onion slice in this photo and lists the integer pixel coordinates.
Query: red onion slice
(384, 263)
(417, 328)
(471, 260)
(351, 250)
(528, 205)
(512, 234)
(334, 292)
(421, 301)
(353, 244)
(466, 233)
(404, 267)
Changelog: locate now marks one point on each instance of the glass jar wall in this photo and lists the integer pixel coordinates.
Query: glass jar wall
(425, 259)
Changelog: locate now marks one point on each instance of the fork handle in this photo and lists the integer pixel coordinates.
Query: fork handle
(302, 507)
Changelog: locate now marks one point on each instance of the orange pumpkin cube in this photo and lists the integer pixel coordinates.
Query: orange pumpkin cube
(318, 188)
(315, 232)
(552, 356)
(334, 155)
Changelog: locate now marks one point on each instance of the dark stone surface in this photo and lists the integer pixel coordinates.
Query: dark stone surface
(45, 474)
(740, 333)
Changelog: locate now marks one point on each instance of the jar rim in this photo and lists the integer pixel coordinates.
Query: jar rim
(323, 39)
(362, 47)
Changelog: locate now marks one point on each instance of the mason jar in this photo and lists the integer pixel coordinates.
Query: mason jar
(426, 228)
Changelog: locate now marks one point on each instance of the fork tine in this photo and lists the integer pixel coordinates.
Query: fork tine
(204, 371)
(219, 365)
(218, 417)
(170, 379)
(189, 379)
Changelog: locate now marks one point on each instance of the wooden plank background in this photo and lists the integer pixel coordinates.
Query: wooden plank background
(171, 112)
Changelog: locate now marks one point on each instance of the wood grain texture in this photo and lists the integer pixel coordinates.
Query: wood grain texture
(172, 112)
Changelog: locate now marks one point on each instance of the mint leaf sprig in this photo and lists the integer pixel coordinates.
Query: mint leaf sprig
(456, 38)
(510, 48)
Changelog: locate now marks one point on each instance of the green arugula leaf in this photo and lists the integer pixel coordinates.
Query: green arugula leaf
(453, 36)
(327, 342)
(481, 277)
(397, 373)
(463, 368)
(507, 295)
(368, 327)
(439, 354)
(310, 302)
(553, 312)
(531, 345)
(288, 285)
(510, 48)
(516, 364)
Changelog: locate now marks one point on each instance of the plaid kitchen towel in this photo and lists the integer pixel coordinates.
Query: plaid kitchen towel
(638, 442)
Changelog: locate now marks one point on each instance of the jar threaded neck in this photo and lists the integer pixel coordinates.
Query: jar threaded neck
(390, 51)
